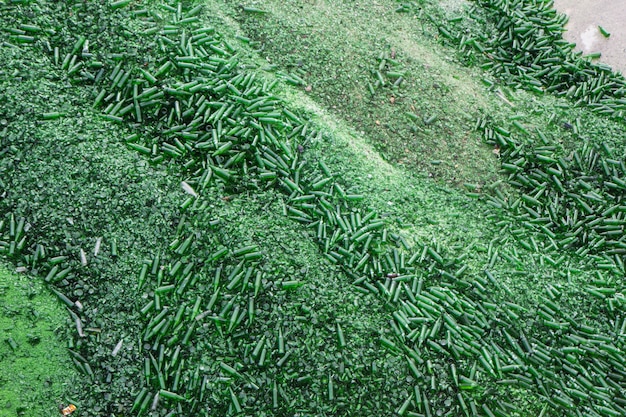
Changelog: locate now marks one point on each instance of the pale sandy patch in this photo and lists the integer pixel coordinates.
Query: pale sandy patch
(584, 18)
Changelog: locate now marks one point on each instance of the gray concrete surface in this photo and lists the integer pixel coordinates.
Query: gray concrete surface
(584, 18)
